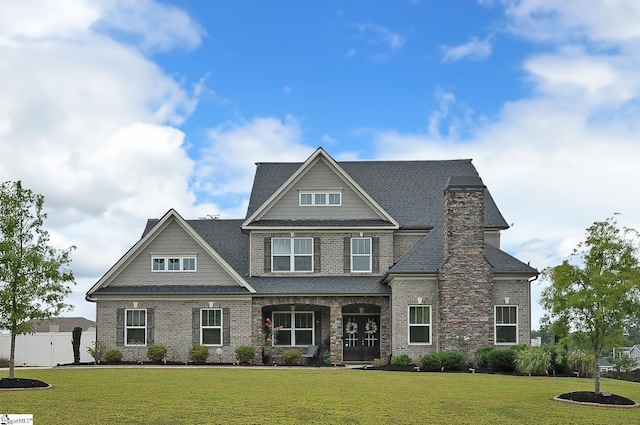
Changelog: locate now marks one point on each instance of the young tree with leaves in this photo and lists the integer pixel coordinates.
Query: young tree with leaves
(34, 277)
(596, 293)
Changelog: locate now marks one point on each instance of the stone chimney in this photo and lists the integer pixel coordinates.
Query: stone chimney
(465, 281)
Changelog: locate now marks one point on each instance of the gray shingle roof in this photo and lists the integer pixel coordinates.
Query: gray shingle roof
(428, 255)
(173, 290)
(411, 191)
(325, 285)
(66, 324)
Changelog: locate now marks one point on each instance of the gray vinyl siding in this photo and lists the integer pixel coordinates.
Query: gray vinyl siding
(173, 240)
(320, 178)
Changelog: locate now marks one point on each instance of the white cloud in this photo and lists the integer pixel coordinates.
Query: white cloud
(474, 49)
(86, 121)
(379, 40)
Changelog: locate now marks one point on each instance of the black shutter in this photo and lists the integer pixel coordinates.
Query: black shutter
(267, 255)
(150, 324)
(347, 254)
(120, 327)
(195, 326)
(226, 326)
(316, 255)
(375, 255)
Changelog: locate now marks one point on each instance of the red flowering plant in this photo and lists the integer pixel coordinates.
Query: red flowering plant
(266, 337)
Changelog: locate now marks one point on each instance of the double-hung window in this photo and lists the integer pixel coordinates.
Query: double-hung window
(211, 326)
(506, 324)
(135, 330)
(292, 254)
(419, 324)
(294, 328)
(360, 254)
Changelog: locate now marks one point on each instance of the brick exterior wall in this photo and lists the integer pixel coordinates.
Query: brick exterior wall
(518, 293)
(173, 326)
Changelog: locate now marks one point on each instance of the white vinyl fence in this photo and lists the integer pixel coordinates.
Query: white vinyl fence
(47, 348)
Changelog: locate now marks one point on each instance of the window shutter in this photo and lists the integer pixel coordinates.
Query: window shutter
(347, 254)
(195, 326)
(120, 327)
(316, 255)
(375, 255)
(226, 326)
(267, 255)
(151, 314)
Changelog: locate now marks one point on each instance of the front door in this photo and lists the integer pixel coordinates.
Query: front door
(361, 337)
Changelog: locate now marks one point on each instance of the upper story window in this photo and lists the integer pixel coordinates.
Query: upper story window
(320, 198)
(292, 254)
(360, 254)
(173, 264)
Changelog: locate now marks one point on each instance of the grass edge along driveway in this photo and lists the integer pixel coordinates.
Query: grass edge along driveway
(218, 395)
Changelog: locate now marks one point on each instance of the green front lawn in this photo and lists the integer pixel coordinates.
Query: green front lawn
(280, 395)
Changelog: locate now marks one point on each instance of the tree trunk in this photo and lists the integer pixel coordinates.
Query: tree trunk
(12, 356)
(597, 374)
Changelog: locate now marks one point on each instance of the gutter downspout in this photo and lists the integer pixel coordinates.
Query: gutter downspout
(531, 280)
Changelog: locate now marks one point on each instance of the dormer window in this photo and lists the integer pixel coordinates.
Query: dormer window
(317, 198)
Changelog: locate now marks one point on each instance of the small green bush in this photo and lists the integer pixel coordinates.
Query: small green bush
(198, 353)
(502, 360)
(156, 353)
(245, 354)
(291, 356)
(482, 356)
(452, 360)
(377, 362)
(431, 362)
(401, 360)
(4, 362)
(113, 356)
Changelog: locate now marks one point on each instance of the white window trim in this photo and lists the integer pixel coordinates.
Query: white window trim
(182, 259)
(370, 255)
(292, 256)
(409, 325)
(293, 329)
(496, 324)
(202, 327)
(126, 327)
(313, 198)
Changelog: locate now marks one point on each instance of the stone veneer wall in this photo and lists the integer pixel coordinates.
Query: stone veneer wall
(332, 324)
(466, 278)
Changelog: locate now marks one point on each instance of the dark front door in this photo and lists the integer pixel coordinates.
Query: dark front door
(361, 337)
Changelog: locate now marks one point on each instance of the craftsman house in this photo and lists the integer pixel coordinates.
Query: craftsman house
(364, 259)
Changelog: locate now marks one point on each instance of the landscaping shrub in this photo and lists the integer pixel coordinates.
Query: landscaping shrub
(559, 359)
(482, 356)
(198, 353)
(401, 360)
(4, 362)
(581, 362)
(75, 343)
(156, 353)
(113, 356)
(97, 351)
(245, 354)
(452, 360)
(502, 360)
(291, 356)
(377, 362)
(534, 360)
(431, 362)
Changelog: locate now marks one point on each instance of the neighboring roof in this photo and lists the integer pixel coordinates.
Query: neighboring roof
(428, 256)
(66, 324)
(325, 285)
(410, 191)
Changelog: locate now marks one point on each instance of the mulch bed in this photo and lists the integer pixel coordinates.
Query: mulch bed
(21, 383)
(605, 399)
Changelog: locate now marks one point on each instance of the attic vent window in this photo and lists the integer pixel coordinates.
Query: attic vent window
(329, 198)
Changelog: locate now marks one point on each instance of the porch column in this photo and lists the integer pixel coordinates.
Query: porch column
(335, 318)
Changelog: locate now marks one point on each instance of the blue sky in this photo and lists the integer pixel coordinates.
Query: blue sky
(117, 111)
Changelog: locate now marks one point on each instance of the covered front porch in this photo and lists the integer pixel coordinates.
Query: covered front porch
(347, 329)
